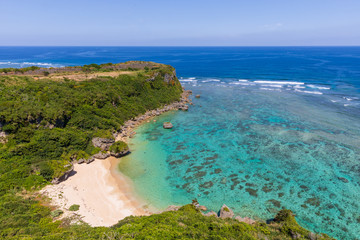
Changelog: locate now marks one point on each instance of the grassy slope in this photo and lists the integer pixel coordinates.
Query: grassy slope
(51, 123)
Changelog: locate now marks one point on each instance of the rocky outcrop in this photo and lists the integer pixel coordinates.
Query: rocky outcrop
(172, 208)
(211, 213)
(197, 96)
(102, 143)
(81, 160)
(120, 154)
(226, 212)
(168, 78)
(64, 176)
(101, 155)
(89, 160)
(167, 125)
(127, 131)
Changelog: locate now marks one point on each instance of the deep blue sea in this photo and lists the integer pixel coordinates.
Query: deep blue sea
(275, 127)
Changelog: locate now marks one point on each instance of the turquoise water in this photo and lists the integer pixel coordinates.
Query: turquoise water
(257, 151)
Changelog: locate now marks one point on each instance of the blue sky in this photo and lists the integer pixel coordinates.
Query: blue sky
(179, 23)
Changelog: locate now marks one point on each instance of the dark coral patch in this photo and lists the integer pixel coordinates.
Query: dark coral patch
(176, 162)
(313, 201)
(252, 192)
(274, 202)
(266, 189)
(213, 157)
(207, 185)
(218, 170)
(200, 174)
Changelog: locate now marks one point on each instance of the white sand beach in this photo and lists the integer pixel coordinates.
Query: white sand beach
(105, 197)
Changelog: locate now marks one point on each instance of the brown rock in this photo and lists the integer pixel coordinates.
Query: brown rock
(167, 125)
(197, 96)
(202, 208)
(226, 212)
(211, 213)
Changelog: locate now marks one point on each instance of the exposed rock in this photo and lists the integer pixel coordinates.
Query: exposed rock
(167, 125)
(3, 137)
(102, 143)
(120, 154)
(211, 213)
(295, 235)
(172, 208)
(312, 236)
(226, 212)
(81, 160)
(49, 126)
(90, 159)
(202, 208)
(197, 96)
(102, 155)
(63, 177)
(184, 107)
(245, 220)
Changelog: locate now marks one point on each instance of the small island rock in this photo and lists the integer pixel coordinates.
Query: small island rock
(167, 125)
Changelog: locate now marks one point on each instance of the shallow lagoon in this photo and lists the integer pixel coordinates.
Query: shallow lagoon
(257, 151)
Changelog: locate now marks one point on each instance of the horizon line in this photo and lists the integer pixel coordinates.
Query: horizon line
(180, 46)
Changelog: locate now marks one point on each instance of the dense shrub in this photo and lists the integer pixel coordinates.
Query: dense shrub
(118, 147)
(74, 207)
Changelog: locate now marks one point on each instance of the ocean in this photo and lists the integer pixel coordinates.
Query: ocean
(275, 127)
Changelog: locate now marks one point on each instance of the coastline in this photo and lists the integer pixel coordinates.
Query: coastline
(104, 198)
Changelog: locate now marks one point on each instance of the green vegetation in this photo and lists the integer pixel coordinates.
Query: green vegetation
(50, 124)
(56, 213)
(74, 207)
(119, 147)
(19, 70)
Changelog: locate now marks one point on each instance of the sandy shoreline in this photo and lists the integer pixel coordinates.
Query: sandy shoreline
(105, 195)
(104, 198)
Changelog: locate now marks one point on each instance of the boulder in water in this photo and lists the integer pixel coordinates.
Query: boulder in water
(167, 125)
(226, 212)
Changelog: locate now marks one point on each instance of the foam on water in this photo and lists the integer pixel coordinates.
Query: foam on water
(240, 147)
(27, 64)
